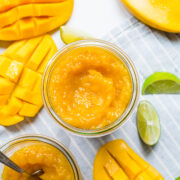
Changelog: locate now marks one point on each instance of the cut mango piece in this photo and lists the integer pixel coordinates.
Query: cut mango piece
(28, 79)
(4, 65)
(122, 163)
(14, 71)
(30, 18)
(29, 110)
(11, 51)
(39, 54)
(24, 52)
(50, 54)
(13, 107)
(6, 86)
(144, 176)
(163, 15)
(100, 172)
(10, 69)
(20, 80)
(28, 96)
(112, 167)
(151, 171)
(10, 120)
(4, 99)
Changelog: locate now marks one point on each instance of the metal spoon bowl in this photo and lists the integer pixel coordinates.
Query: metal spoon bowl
(6, 161)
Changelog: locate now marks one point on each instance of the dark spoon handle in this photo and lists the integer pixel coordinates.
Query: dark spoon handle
(5, 160)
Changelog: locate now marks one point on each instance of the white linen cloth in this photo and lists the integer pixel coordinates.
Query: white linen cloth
(151, 51)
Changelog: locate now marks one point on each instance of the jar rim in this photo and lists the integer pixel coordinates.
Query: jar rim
(129, 109)
(48, 140)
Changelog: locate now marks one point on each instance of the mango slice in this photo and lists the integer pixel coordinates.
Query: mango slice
(117, 161)
(28, 18)
(161, 14)
(21, 68)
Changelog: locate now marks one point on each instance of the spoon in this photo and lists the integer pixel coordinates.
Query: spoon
(5, 160)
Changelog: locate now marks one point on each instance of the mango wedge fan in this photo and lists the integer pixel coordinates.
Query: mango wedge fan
(21, 68)
(115, 160)
(22, 19)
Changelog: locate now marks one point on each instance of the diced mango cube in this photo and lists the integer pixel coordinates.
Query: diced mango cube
(144, 176)
(131, 168)
(39, 54)
(20, 81)
(6, 86)
(4, 65)
(4, 99)
(13, 107)
(10, 120)
(28, 78)
(152, 172)
(11, 51)
(25, 51)
(50, 54)
(29, 110)
(28, 96)
(14, 71)
(112, 167)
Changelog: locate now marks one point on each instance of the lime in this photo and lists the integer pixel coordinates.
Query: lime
(161, 83)
(148, 123)
(178, 178)
(69, 35)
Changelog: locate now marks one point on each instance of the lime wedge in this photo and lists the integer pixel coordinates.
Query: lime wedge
(161, 83)
(69, 35)
(148, 123)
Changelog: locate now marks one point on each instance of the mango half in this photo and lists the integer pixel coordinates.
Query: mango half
(21, 68)
(20, 19)
(115, 160)
(160, 14)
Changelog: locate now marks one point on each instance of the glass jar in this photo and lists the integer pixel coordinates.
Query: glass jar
(113, 50)
(18, 143)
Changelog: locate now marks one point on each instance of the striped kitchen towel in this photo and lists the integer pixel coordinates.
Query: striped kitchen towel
(151, 51)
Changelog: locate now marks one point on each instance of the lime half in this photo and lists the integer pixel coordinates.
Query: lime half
(69, 35)
(161, 83)
(148, 123)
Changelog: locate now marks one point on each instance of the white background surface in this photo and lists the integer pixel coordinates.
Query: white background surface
(96, 17)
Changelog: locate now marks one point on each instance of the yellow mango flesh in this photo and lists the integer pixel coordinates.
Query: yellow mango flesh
(28, 18)
(160, 14)
(118, 161)
(21, 68)
(39, 155)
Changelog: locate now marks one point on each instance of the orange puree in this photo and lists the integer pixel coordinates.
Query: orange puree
(40, 156)
(90, 87)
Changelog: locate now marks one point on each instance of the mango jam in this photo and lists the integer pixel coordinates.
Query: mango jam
(89, 87)
(40, 156)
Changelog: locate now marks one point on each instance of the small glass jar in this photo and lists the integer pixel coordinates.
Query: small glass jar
(115, 51)
(18, 143)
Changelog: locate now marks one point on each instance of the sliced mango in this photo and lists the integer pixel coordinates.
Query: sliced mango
(28, 18)
(120, 162)
(161, 14)
(21, 69)
(144, 176)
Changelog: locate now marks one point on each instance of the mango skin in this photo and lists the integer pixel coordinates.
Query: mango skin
(115, 160)
(21, 68)
(29, 18)
(159, 14)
